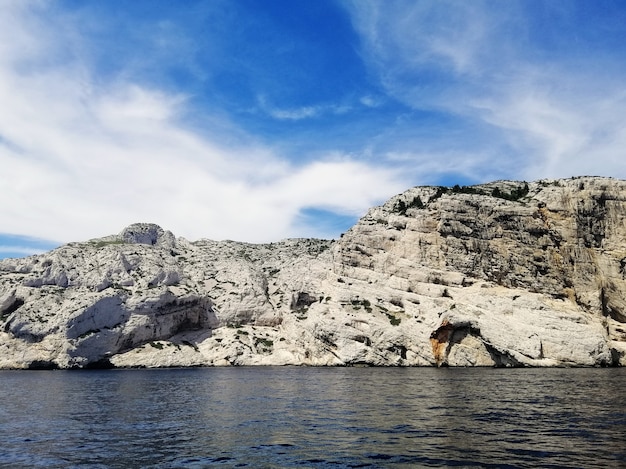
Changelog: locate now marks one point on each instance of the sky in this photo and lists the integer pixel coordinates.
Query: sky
(258, 120)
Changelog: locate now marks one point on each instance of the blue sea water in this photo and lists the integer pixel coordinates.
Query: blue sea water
(278, 417)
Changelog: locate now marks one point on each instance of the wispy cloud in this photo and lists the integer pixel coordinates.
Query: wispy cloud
(16, 250)
(82, 158)
(258, 126)
(546, 106)
(371, 101)
(566, 130)
(293, 114)
(308, 112)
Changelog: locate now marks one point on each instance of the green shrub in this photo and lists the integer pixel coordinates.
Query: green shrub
(440, 191)
(393, 320)
(465, 190)
(514, 195)
(265, 342)
(401, 206)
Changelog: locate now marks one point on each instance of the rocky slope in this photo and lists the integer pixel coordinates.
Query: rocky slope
(501, 274)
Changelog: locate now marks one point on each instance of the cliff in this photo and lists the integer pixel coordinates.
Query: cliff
(501, 274)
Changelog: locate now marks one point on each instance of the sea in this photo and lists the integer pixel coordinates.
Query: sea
(305, 417)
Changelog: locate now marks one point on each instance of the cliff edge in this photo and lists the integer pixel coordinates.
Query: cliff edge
(500, 274)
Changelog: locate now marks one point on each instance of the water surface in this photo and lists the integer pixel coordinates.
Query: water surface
(313, 418)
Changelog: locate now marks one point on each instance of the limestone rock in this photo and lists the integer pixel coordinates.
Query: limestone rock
(501, 274)
(146, 233)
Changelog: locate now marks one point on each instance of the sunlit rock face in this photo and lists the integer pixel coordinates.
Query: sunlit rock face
(501, 274)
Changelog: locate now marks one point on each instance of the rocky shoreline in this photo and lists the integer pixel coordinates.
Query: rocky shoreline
(501, 274)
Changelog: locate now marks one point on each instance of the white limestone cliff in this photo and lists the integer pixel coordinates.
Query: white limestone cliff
(501, 274)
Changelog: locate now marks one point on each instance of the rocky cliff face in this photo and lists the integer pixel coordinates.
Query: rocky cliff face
(504, 274)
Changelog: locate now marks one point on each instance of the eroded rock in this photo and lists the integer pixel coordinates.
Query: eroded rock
(500, 274)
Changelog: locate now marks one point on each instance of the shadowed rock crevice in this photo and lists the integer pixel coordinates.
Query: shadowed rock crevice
(11, 308)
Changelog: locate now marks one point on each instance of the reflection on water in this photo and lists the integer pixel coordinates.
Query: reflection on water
(313, 417)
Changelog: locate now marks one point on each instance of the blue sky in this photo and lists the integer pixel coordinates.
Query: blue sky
(261, 120)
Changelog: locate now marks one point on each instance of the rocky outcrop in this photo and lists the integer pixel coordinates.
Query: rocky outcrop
(501, 274)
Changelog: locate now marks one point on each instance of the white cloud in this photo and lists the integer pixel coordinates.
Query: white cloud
(575, 130)
(303, 112)
(371, 101)
(528, 112)
(82, 159)
(293, 114)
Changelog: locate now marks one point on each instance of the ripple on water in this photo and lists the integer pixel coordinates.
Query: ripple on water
(311, 417)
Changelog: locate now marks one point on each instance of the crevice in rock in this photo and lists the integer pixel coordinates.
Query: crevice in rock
(14, 306)
(502, 358)
(43, 365)
(303, 300)
(398, 350)
(102, 364)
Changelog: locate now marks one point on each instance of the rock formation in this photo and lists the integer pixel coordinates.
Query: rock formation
(500, 274)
